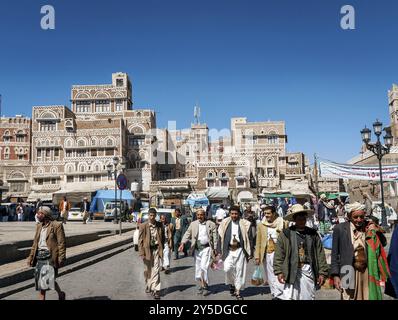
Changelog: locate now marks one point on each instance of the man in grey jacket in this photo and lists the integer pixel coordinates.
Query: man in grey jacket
(203, 237)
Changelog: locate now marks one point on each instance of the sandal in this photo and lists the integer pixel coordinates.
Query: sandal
(156, 295)
(238, 297)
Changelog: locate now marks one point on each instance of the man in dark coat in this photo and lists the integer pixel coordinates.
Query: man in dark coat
(181, 224)
(299, 260)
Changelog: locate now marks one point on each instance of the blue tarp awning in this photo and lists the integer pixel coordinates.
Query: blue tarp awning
(104, 196)
(197, 200)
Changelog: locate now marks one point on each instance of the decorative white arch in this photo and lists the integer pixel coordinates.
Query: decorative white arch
(82, 142)
(102, 95)
(48, 115)
(83, 95)
(16, 175)
(70, 167)
(211, 174)
(94, 141)
(96, 166)
(105, 141)
(270, 162)
(69, 142)
(82, 167)
(54, 170)
(137, 129)
(40, 170)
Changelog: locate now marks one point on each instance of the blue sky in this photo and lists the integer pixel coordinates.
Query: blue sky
(265, 60)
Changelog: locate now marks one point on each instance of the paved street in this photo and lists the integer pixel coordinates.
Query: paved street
(121, 278)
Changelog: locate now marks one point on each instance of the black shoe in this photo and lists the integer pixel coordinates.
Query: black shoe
(156, 295)
(200, 290)
(167, 271)
(147, 290)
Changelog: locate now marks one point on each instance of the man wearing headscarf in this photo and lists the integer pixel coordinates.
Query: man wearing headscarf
(49, 249)
(359, 264)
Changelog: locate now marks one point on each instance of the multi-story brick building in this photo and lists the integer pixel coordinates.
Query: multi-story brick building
(15, 170)
(72, 149)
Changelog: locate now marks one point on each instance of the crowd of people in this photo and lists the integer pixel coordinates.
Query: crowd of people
(286, 249)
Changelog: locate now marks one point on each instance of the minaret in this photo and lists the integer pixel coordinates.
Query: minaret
(393, 111)
(196, 113)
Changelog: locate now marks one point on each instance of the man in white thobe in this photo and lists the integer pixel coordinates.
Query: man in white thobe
(236, 246)
(203, 237)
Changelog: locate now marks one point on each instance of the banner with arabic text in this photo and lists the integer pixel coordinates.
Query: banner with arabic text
(355, 172)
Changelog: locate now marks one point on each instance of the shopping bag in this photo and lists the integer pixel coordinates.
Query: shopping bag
(327, 241)
(217, 264)
(257, 277)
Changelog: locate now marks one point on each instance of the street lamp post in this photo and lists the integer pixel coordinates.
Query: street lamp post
(379, 150)
(109, 168)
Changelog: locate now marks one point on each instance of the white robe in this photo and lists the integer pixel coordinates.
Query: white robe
(166, 255)
(303, 288)
(202, 264)
(235, 269)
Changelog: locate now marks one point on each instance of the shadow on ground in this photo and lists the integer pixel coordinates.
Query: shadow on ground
(179, 268)
(181, 288)
(95, 298)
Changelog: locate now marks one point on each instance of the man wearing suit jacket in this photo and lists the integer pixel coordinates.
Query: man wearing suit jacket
(349, 254)
(203, 237)
(49, 248)
(151, 243)
(180, 223)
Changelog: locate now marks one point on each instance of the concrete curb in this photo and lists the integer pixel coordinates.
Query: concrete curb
(19, 250)
(91, 258)
(11, 279)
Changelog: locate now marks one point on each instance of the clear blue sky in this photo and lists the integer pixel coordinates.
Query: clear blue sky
(279, 60)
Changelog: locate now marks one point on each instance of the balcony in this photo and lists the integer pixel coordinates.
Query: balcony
(45, 187)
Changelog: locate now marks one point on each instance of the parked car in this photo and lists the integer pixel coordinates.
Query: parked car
(143, 217)
(74, 214)
(109, 209)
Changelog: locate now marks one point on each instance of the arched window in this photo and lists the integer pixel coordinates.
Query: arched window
(81, 143)
(6, 153)
(7, 136)
(273, 138)
(109, 143)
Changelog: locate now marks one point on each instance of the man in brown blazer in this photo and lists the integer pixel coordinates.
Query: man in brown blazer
(48, 247)
(203, 237)
(168, 244)
(64, 207)
(151, 244)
